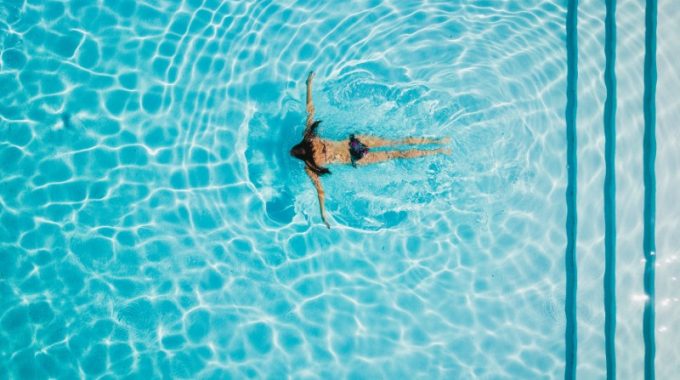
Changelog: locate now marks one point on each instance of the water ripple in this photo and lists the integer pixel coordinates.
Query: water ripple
(154, 224)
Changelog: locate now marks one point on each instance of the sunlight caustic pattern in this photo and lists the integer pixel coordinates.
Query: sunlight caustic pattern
(154, 225)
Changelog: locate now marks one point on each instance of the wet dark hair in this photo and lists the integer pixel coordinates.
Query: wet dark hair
(304, 150)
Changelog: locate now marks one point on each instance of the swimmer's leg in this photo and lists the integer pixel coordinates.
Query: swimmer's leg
(374, 142)
(380, 156)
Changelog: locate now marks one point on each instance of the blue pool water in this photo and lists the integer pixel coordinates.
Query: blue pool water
(154, 225)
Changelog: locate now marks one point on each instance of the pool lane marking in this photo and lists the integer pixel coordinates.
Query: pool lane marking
(570, 334)
(610, 190)
(649, 156)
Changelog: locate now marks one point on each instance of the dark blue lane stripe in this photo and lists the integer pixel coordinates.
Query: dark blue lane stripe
(649, 155)
(610, 190)
(570, 336)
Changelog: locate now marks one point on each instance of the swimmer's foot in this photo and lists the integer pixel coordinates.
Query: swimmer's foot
(446, 151)
(423, 141)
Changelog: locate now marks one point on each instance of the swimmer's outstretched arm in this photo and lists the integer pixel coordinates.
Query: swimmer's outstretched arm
(310, 102)
(319, 191)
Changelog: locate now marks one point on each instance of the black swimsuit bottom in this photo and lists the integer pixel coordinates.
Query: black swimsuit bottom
(357, 149)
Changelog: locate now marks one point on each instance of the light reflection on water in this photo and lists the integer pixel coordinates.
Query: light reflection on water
(154, 224)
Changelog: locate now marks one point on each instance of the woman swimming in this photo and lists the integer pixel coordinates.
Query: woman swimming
(317, 152)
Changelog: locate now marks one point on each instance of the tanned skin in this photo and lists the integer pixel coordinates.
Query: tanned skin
(327, 152)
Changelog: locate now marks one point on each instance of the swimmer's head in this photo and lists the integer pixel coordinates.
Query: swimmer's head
(301, 151)
(305, 152)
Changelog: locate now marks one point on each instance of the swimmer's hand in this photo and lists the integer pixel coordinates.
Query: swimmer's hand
(320, 193)
(310, 77)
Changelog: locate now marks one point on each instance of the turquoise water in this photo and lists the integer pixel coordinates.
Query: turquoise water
(154, 225)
